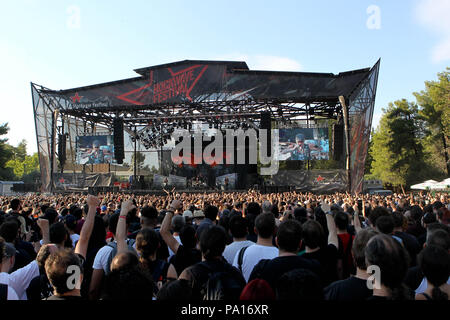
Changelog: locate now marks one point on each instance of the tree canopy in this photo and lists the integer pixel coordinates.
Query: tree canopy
(410, 144)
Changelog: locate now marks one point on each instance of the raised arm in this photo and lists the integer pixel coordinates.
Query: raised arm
(167, 236)
(43, 224)
(332, 233)
(121, 230)
(356, 221)
(88, 225)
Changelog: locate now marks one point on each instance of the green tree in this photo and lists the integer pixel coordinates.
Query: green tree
(20, 152)
(140, 158)
(435, 110)
(22, 164)
(397, 151)
(6, 153)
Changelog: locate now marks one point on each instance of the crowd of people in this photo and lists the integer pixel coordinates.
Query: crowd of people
(225, 246)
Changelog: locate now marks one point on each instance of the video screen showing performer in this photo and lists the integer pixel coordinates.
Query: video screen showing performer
(94, 149)
(304, 144)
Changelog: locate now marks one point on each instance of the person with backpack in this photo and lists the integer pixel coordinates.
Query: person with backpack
(147, 243)
(103, 258)
(149, 219)
(214, 278)
(246, 259)
(239, 232)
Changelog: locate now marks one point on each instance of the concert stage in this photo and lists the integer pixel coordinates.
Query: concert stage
(92, 136)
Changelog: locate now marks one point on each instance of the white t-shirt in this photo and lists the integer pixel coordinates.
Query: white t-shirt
(74, 237)
(424, 285)
(252, 256)
(20, 279)
(101, 258)
(4, 279)
(170, 251)
(233, 248)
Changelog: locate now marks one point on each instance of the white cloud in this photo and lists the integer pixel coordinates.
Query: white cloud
(435, 15)
(263, 62)
(441, 52)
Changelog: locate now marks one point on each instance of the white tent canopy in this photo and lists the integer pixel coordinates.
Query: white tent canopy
(444, 184)
(424, 185)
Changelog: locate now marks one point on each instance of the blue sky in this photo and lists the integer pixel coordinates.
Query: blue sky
(65, 44)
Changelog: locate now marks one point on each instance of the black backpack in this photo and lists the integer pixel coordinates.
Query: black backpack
(221, 284)
(241, 258)
(159, 274)
(113, 245)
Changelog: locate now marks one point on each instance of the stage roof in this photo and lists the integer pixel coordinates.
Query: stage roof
(193, 81)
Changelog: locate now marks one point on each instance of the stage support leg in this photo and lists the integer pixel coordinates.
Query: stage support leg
(347, 141)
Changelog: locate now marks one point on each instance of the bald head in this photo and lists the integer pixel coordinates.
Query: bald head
(124, 260)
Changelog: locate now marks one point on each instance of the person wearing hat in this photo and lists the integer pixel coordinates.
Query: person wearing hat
(198, 217)
(300, 150)
(187, 215)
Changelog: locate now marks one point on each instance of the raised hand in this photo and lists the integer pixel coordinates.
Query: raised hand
(127, 206)
(92, 201)
(176, 205)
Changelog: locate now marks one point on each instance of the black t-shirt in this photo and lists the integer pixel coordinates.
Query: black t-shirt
(272, 270)
(377, 298)
(327, 256)
(24, 254)
(202, 271)
(413, 278)
(411, 245)
(184, 258)
(66, 298)
(158, 269)
(39, 288)
(351, 289)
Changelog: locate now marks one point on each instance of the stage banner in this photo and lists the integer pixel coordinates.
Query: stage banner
(312, 180)
(197, 81)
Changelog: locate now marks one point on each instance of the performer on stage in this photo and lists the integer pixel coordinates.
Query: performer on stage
(299, 150)
(95, 155)
(226, 182)
(165, 185)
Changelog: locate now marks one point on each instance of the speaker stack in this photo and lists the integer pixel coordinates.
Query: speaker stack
(119, 152)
